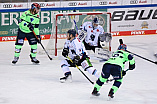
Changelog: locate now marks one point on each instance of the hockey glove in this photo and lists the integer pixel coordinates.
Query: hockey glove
(30, 26)
(131, 67)
(65, 52)
(39, 39)
(123, 73)
(76, 60)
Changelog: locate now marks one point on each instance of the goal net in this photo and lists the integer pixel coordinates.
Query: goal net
(62, 22)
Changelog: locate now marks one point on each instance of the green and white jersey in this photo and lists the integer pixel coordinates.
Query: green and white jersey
(27, 18)
(120, 57)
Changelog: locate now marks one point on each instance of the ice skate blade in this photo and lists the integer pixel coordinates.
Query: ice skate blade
(109, 98)
(35, 63)
(69, 79)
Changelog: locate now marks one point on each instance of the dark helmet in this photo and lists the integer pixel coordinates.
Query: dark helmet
(95, 21)
(122, 47)
(35, 5)
(72, 31)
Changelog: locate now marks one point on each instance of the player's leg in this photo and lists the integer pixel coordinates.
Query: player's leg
(116, 72)
(87, 66)
(18, 45)
(33, 43)
(115, 87)
(67, 73)
(102, 79)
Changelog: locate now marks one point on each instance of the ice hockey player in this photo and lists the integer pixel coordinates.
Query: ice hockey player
(91, 31)
(76, 50)
(28, 22)
(115, 67)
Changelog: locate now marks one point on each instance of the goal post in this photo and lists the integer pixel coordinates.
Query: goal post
(62, 22)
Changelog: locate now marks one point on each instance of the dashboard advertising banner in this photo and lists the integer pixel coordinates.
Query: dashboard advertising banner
(133, 21)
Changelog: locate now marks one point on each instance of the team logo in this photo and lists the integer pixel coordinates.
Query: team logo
(72, 4)
(7, 6)
(133, 1)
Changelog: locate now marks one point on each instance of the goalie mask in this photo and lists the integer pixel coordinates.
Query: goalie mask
(122, 47)
(105, 37)
(95, 22)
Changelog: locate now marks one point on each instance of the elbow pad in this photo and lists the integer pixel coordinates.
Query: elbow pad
(131, 67)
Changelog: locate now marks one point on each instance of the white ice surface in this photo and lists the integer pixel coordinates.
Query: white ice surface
(25, 83)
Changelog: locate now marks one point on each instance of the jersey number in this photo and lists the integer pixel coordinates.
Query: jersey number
(92, 37)
(114, 56)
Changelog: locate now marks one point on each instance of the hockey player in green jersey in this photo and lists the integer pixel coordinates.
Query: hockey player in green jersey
(115, 67)
(28, 22)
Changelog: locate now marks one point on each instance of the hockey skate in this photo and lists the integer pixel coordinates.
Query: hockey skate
(95, 92)
(34, 60)
(15, 60)
(68, 77)
(110, 95)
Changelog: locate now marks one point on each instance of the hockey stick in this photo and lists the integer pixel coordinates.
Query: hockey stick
(155, 62)
(42, 45)
(110, 80)
(73, 18)
(81, 71)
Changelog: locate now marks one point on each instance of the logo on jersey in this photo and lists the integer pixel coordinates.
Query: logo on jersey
(32, 19)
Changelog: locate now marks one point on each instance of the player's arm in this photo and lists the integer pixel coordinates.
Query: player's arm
(22, 18)
(131, 61)
(65, 51)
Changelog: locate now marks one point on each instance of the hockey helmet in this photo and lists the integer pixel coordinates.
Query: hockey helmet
(122, 47)
(35, 6)
(72, 31)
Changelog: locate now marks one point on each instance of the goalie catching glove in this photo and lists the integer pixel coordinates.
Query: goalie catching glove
(105, 37)
(65, 52)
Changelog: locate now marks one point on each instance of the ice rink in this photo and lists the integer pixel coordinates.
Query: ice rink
(26, 83)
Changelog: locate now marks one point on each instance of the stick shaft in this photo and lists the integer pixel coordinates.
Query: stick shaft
(81, 71)
(42, 46)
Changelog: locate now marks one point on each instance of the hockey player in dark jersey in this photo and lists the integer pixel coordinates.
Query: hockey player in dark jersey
(115, 67)
(28, 22)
